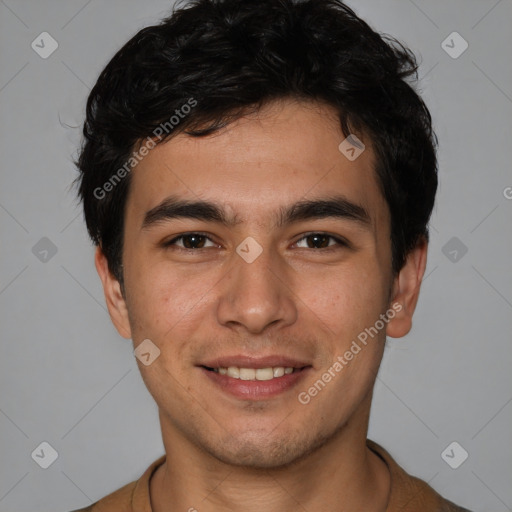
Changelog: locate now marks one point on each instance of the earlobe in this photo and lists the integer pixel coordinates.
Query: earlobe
(116, 303)
(406, 290)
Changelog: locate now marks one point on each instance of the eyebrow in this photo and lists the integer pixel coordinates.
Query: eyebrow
(330, 207)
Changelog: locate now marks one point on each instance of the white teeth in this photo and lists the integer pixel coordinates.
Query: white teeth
(278, 371)
(254, 374)
(234, 372)
(247, 373)
(264, 374)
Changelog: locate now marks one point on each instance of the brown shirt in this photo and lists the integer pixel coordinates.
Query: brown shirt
(408, 493)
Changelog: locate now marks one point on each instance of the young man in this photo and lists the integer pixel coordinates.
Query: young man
(258, 177)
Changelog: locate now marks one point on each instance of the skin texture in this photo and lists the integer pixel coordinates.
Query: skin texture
(295, 299)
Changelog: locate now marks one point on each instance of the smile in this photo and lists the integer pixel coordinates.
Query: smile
(270, 373)
(255, 383)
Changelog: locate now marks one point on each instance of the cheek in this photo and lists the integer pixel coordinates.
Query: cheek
(345, 299)
(164, 299)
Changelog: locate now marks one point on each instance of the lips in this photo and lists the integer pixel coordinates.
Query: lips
(250, 378)
(241, 361)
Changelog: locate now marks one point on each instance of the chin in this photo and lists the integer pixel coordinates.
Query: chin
(264, 451)
(253, 455)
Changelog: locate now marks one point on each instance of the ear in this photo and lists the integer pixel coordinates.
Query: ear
(406, 290)
(113, 296)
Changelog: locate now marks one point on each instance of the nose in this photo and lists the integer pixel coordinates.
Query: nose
(257, 295)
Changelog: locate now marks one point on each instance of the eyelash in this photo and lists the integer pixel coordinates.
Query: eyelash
(339, 241)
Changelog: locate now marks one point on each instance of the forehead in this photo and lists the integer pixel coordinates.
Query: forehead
(288, 151)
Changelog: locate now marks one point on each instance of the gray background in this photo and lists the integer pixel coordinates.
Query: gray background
(67, 378)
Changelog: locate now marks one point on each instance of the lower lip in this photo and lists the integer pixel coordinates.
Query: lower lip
(256, 389)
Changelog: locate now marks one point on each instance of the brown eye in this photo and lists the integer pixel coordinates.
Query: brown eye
(318, 241)
(321, 241)
(189, 241)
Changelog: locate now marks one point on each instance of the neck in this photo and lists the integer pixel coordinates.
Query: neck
(342, 474)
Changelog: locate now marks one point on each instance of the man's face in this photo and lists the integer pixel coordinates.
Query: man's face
(300, 303)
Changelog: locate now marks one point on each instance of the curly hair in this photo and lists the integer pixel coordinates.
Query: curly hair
(232, 57)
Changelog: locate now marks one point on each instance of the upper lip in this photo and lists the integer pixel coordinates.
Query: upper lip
(242, 361)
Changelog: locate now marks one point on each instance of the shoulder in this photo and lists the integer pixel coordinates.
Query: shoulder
(411, 494)
(132, 497)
